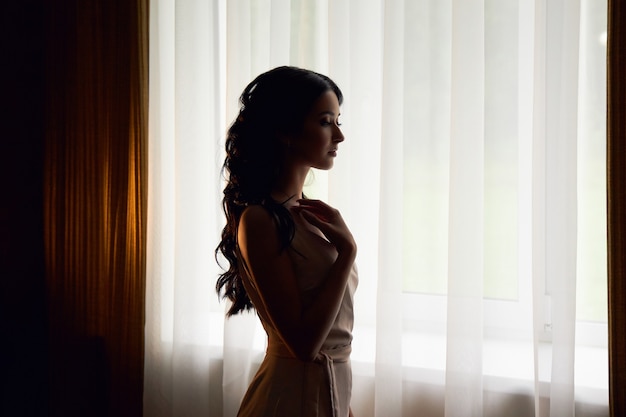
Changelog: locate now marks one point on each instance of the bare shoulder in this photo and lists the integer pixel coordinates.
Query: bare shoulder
(257, 228)
(256, 215)
(256, 219)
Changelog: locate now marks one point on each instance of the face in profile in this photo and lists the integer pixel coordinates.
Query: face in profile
(317, 142)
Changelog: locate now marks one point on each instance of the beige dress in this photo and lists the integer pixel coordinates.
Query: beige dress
(285, 386)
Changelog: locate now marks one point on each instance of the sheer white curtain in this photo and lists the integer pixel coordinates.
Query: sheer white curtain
(472, 177)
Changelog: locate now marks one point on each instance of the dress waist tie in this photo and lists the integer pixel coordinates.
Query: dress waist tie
(327, 358)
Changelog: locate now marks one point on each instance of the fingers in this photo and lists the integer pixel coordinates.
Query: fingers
(317, 215)
(311, 218)
(319, 208)
(329, 221)
(319, 204)
(321, 215)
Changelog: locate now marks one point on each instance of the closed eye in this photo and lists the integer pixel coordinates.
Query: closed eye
(328, 122)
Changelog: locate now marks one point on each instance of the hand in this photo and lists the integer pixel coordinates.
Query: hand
(329, 221)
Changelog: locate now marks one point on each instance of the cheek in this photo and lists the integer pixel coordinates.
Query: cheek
(319, 146)
(314, 142)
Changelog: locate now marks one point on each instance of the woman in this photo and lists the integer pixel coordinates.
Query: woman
(291, 258)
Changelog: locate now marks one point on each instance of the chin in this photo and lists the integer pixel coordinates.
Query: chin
(326, 166)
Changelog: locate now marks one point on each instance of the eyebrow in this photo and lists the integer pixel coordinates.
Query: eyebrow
(327, 112)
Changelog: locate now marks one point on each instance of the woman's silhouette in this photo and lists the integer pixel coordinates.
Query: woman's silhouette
(290, 258)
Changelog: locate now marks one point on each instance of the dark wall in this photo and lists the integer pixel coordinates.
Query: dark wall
(23, 331)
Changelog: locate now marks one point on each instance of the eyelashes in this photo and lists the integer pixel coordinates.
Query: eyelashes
(328, 122)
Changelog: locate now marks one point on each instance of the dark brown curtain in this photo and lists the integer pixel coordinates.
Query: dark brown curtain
(95, 204)
(616, 167)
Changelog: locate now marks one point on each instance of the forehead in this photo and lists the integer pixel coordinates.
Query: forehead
(326, 103)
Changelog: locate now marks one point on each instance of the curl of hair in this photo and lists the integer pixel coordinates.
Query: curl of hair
(273, 104)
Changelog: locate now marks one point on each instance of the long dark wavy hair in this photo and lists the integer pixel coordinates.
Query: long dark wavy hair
(273, 104)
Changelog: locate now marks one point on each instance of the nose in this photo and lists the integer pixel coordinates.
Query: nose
(338, 135)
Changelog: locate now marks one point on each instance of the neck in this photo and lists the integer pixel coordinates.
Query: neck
(289, 185)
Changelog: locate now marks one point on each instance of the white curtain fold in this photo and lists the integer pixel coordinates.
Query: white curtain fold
(464, 336)
(470, 177)
(559, 144)
(388, 362)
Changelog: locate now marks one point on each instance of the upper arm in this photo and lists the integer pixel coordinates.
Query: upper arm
(271, 270)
